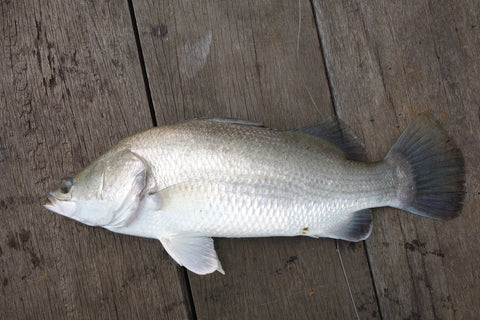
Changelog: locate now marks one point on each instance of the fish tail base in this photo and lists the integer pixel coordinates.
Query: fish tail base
(431, 171)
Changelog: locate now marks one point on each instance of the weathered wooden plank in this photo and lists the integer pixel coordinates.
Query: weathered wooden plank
(239, 59)
(70, 87)
(387, 62)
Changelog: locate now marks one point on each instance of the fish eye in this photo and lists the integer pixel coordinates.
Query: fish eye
(66, 184)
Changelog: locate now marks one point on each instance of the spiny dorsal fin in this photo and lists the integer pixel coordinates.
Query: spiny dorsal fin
(238, 122)
(336, 132)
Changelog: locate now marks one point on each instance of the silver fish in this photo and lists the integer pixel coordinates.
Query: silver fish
(188, 182)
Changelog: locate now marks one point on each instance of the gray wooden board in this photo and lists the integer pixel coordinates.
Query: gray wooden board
(388, 62)
(239, 60)
(71, 86)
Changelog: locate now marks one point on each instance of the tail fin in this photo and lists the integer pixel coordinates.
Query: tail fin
(435, 170)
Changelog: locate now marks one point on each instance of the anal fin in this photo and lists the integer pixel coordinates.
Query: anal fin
(355, 229)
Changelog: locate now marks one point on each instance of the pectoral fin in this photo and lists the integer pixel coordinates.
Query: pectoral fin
(193, 251)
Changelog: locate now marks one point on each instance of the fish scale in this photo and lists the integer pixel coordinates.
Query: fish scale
(296, 175)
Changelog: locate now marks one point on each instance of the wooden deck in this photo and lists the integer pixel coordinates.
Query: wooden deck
(77, 76)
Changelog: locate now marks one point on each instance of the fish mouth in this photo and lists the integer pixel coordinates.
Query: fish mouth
(48, 202)
(51, 204)
(61, 207)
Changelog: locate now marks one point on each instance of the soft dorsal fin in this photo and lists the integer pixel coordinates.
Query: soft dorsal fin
(336, 132)
(193, 251)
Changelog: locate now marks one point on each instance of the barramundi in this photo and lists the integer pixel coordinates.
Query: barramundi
(188, 182)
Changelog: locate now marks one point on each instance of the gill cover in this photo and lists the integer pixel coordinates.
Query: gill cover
(123, 180)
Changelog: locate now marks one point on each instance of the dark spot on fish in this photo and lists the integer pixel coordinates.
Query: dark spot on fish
(12, 242)
(160, 31)
(305, 229)
(24, 235)
(5, 282)
(3, 204)
(24, 277)
(374, 314)
(303, 232)
(1, 252)
(311, 293)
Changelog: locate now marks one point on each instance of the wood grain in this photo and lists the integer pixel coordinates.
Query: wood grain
(388, 62)
(70, 87)
(252, 71)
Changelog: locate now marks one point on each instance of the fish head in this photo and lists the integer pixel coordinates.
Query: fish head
(106, 193)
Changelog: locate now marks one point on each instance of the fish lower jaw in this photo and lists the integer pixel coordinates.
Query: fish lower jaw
(52, 204)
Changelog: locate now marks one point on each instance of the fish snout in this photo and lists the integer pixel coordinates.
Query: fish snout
(48, 202)
(64, 208)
